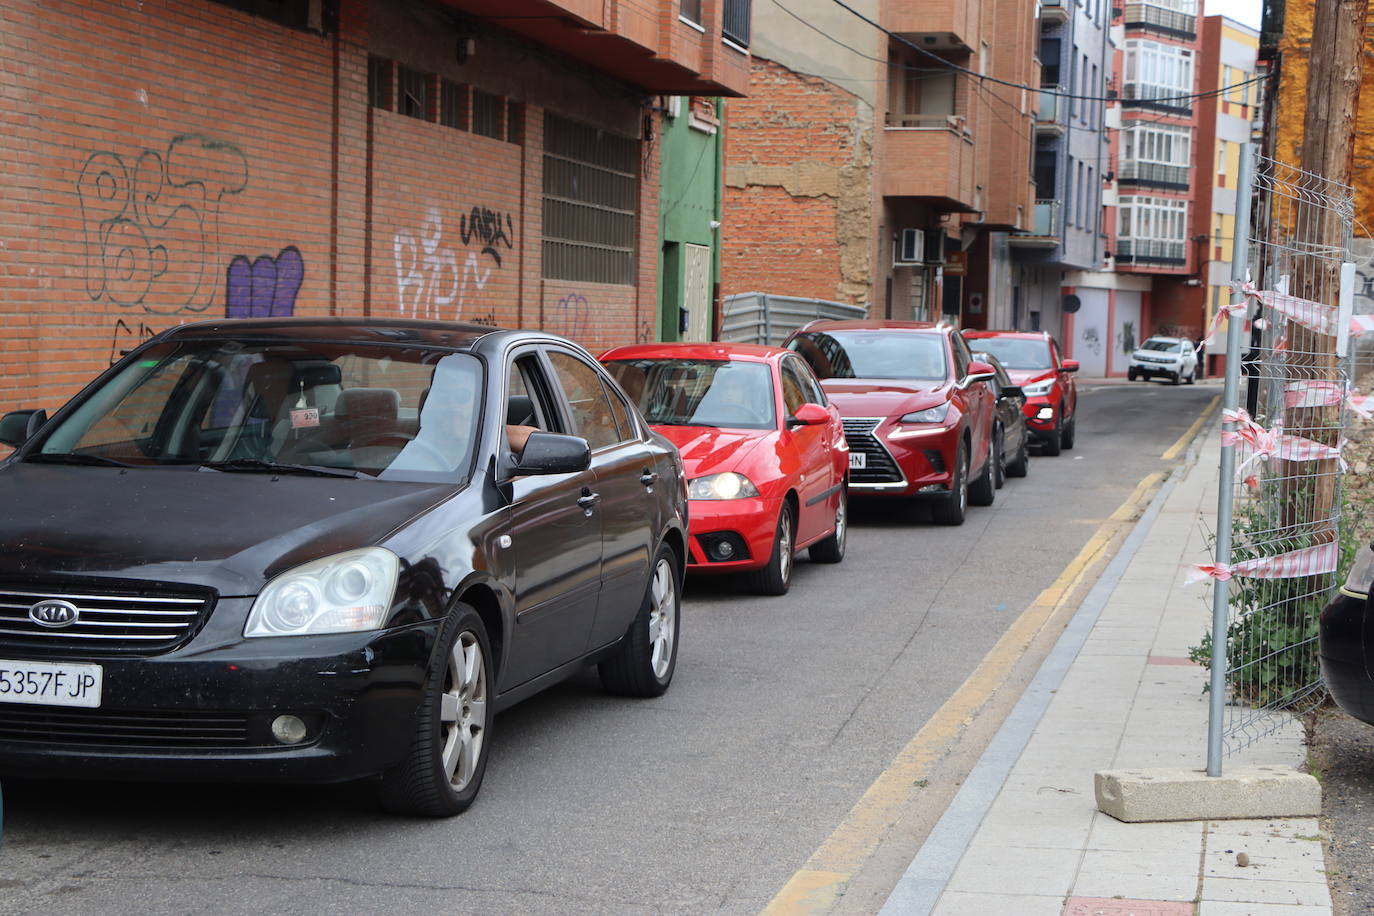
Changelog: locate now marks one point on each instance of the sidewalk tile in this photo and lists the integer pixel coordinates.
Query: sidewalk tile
(1179, 836)
(1251, 890)
(1219, 908)
(1017, 870)
(962, 903)
(1120, 906)
(1142, 874)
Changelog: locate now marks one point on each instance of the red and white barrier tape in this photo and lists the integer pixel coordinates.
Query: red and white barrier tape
(1309, 561)
(1273, 443)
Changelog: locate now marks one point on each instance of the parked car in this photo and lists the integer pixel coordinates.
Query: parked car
(1010, 432)
(918, 422)
(1344, 646)
(1048, 380)
(321, 550)
(764, 452)
(1164, 357)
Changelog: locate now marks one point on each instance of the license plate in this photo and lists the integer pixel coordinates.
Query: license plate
(857, 460)
(45, 684)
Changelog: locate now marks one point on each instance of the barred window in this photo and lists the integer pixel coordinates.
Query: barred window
(413, 95)
(591, 195)
(379, 82)
(486, 115)
(453, 105)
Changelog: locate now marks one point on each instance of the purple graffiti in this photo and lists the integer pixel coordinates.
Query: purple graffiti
(266, 287)
(485, 225)
(573, 315)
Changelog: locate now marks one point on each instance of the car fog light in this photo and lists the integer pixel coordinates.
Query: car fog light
(723, 549)
(1045, 413)
(288, 729)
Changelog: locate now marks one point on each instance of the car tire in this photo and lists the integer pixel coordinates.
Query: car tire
(1021, 464)
(831, 549)
(1192, 376)
(1070, 430)
(643, 665)
(1131, 374)
(1053, 441)
(999, 466)
(1176, 378)
(952, 509)
(983, 491)
(442, 771)
(776, 577)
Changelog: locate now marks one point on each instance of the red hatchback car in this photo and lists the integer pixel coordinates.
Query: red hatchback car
(917, 422)
(764, 451)
(1033, 360)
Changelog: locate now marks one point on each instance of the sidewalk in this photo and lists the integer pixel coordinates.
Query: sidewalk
(1024, 835)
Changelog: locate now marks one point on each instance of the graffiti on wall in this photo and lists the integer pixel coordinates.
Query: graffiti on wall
(430, 282)
(152, 223)
(128, 335)
(1126, 339)
(572, 316)
(1092, 341)
(265, 287)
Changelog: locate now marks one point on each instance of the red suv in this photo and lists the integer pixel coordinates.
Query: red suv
(917, 422)
(1034, 362)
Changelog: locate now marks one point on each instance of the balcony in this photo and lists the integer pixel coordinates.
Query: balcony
(1045, 229)
(1047, 117)
(1131, 173)
(1054, 10)
(1151, 253)
(1142, 95)
(931, 157)
(1152, 17)
(942, 26)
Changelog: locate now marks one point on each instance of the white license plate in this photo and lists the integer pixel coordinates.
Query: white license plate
(45, 684)
(857, 460)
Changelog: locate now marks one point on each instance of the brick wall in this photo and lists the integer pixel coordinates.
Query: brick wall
(177, 160)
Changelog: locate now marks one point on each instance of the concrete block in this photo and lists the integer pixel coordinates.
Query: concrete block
(1165, 794)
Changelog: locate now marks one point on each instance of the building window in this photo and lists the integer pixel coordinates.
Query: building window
(591, 196)
(735, 26)
(1152, 230)
(319, 16)
(379, 71)
(453, 105)
(1155, 155)
(923, 96)
(1221, 157)
(1157, 75)
(1049, 62)
(412, 96)
(486, 115)
(691, 11)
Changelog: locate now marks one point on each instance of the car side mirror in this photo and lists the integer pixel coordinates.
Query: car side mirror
(809, 415)
(1012, 391)
(554, 453)
(18, 426)
(1070, 365)
(978, 372)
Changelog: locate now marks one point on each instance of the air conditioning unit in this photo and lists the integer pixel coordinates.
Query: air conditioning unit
(910, 247)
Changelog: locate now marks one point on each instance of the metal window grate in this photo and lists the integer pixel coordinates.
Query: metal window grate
(413, 92)
(486, 115)
(453, 105)
(379, 82)
(591, 192)
(736, 24)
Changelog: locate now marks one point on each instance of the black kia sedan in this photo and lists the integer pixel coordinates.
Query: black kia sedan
(327, 549)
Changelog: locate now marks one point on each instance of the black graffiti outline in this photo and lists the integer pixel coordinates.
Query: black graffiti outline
(485, 224)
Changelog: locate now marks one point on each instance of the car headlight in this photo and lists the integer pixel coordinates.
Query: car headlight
(722, 486)
(934, 414)
(345, 593)
(1039, 389)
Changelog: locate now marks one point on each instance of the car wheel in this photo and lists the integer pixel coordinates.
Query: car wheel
(999, 464)
(776, 577)
(1052, 443)
(983, 491)
(1021, 464)
(643, 665)
(951, 509)
(1070, 429)
(1176, 377)
(831, 550)
(1131, 374)
(441, 773)
(1192, 376)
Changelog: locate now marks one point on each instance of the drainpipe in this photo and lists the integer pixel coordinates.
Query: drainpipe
(717, 304)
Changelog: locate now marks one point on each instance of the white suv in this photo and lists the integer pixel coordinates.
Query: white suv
(1167, 357)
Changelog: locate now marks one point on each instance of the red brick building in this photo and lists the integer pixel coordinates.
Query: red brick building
(176, 160)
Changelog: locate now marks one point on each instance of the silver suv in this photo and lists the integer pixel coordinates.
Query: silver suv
(1164, 357)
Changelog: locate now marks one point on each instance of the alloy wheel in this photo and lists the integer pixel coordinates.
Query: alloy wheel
(662, 618)
(463, 710)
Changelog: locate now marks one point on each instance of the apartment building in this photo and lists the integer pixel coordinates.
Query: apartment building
(175, 160)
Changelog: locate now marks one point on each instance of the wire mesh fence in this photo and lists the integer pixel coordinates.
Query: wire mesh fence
(1287, 428)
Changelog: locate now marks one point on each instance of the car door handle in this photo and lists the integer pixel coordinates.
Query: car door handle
(648, 478)
(588, 499)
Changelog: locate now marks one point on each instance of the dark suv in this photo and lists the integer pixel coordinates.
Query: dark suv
(321, 550)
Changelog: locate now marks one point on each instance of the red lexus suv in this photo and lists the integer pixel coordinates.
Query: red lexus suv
(917, 422)
(1033, 360)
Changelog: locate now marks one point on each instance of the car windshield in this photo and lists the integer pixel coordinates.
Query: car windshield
(1168, 346)
(699, 392)
(327, 408)
(895, 354)
(1016, 352)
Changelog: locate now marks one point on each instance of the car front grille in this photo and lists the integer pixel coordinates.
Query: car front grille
(97, 728)
(110, 621)
(879, 466)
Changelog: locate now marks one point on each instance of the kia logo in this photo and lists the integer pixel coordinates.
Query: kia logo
(54, 614)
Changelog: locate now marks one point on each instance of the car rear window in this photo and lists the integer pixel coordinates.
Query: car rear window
(1017, 352)
(874, 354)
(699, 392)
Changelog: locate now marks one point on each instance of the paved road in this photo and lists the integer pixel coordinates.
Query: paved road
(783, 712)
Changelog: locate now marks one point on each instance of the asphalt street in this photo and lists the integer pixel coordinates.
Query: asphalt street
(783, 712)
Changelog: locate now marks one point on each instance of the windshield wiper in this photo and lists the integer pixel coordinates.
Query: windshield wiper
(75, 458)
(261, 466)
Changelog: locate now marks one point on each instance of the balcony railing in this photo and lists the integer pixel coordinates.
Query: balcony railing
(1153, 174)
(1050, 106)
(1155, 18)
(1151, 251)
(736, 24)
(1054, 10)
(1046, 222)
(1144, 95)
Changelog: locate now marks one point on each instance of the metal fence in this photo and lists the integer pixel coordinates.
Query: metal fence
(1279, 537)
(765, 319)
